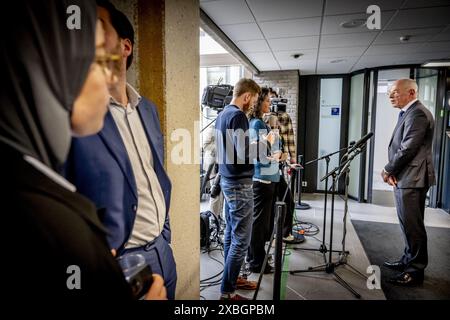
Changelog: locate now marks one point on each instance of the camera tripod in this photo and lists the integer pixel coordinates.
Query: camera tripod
(330, 266)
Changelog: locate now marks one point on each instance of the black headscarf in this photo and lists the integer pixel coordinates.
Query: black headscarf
(43, 66)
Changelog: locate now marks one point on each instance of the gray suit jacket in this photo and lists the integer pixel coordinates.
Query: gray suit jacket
(410, 159)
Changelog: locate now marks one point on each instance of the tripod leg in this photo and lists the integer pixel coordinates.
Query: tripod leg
(346, 285)
(266, 259)
(356, 270)
(310, 269)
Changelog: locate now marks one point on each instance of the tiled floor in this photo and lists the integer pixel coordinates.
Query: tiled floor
(321, 285)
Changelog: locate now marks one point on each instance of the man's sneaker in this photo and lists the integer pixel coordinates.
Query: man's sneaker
(232, 296)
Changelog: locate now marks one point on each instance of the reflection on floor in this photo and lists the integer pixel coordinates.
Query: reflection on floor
(319, 285)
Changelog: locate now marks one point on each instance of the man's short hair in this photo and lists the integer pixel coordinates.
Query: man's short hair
(121, 24)
(245, 85)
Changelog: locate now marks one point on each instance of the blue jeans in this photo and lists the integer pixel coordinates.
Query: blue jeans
(238, 209)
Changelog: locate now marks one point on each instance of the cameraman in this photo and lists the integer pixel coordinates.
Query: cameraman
(284, 124)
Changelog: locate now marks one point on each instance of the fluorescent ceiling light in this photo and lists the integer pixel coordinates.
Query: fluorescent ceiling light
(437, 63)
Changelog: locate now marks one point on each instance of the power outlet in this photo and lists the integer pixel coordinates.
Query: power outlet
(304, 183)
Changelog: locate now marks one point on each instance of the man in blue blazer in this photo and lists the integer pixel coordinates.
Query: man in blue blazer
(121, 167)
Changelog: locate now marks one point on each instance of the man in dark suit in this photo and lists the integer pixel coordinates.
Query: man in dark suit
(121, 168)
(410, 171)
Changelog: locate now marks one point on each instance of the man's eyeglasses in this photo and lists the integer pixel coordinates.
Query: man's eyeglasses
(110, 64)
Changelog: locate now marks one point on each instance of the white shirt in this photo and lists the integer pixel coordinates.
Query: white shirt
(408, 105)
(151, 209)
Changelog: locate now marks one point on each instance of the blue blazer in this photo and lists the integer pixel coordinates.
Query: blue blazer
(99, 167)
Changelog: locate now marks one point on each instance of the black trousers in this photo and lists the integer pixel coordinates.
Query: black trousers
(263, 195)
(410, 205)
(280, 191)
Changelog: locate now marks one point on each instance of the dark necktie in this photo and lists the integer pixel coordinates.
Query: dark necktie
(400, 115)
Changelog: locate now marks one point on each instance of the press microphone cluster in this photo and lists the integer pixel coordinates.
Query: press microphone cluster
(360, 142)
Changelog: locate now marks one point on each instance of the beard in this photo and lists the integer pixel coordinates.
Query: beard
(246, 107)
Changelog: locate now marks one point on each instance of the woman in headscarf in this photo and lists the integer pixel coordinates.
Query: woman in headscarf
(52, 86)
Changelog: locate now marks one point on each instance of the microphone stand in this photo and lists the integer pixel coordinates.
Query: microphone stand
(330, 266)
(300, 205)
(323, 247)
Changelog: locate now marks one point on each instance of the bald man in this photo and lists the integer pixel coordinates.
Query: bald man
(410, 171)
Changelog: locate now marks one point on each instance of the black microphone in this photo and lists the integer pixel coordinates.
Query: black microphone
(361, 142)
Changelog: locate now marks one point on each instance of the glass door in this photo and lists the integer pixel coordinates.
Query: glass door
(329, 125)
(385, 120)
(355, 127)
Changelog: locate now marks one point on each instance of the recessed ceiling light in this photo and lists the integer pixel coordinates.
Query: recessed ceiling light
(355, 23)
(296, 55)
(337, 60)
(405, 38)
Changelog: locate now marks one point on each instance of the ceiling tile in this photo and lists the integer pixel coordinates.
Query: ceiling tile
(224, 12)
(425, 3)
(296, 43)
(408, 48)
(341, 52)
(308, 54)
(332, 24)
(437, 46)
(305, 67)
(263, 60)
(253, 46)
(334, 7)
(416, 35)
(443, 36)
(347, 39)
(291, 28)
(420, 18)
(247, 31)
(269, 10)
(333, 68)
(391, 59)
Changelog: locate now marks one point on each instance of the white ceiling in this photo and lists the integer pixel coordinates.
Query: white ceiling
(268, 32)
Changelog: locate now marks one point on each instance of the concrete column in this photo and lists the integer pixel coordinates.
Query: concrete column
(169, 76)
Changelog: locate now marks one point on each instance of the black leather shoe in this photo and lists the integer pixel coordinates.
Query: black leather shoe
(267, 270)
(407, 279)
(397, 265)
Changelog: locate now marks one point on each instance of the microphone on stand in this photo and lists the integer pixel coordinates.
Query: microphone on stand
(356, 145)
(360, 142)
